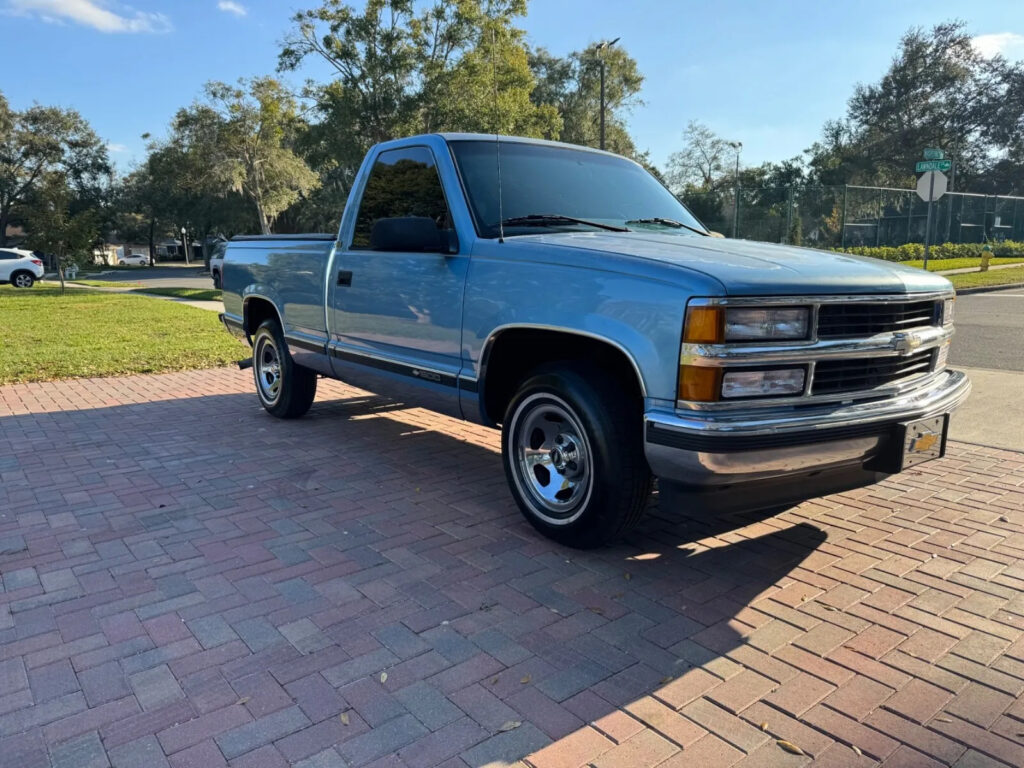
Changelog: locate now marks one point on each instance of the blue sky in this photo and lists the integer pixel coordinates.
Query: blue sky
(764, 72)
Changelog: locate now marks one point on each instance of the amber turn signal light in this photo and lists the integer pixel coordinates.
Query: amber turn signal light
(704, 325)
(700, 383)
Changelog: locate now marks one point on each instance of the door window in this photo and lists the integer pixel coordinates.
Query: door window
(402, 183)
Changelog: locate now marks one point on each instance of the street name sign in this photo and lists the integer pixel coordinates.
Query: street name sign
(934, 154)
(933, 165)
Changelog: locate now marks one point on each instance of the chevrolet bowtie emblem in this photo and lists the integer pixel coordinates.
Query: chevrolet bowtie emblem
(923, 442)
(905, 343)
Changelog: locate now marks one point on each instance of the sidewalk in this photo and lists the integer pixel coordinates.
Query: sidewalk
(212, 306)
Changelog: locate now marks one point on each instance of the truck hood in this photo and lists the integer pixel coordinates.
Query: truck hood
(747, 268)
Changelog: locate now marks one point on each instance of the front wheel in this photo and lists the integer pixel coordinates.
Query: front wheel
(23, 280)
(572, 447)
(285, 389)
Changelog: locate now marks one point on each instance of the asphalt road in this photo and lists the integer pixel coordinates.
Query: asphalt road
(989, 346)
(160, 277)
(990, 331)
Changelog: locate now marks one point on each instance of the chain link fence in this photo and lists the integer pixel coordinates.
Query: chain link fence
(834, 217)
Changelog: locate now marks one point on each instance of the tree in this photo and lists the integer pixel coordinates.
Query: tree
(53, 228)
(573, 86)
(703, 161)
(241, 139)
(939, 91)
(41, 141)
(400, 68)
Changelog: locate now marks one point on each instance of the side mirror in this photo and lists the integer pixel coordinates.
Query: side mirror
(410, 234)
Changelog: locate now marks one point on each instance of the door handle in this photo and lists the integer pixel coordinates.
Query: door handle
(344, 277)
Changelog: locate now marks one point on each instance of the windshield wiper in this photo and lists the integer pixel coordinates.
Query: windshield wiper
(668, 223)
(554, 219)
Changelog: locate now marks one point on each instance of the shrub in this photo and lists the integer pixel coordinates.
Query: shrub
(912, 251)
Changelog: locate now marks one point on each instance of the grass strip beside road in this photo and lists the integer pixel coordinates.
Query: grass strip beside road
(192, 294)
(104, 283)
(1011, 276)
(937, 265)
(85, 333)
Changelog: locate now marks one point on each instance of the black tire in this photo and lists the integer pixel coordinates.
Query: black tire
(216, 279)
(285, 388)
(596, 455)
(23, 279)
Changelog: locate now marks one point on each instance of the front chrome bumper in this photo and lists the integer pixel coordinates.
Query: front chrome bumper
(711, 449)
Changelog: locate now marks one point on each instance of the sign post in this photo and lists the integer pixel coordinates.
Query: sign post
(930, 187)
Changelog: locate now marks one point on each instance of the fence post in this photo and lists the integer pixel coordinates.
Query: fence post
(789, 214)
(842, 237)
(910, 217)
(878, 221)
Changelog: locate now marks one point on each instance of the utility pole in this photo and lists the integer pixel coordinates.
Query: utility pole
(602, 47)
(737, 145)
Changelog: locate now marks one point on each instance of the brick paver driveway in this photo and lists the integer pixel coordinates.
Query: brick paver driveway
(187, 581)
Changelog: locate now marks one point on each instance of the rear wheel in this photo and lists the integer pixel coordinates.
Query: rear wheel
(216, 279)
(285, 389)
(573, 453)
(23, 280)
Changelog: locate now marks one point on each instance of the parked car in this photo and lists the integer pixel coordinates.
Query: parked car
(20, 268)
(133, 260)
(566, 296)
(217, 261)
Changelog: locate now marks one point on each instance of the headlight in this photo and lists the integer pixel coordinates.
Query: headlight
(789, 381)
(947, 311)
(754, 324)
(714, 325)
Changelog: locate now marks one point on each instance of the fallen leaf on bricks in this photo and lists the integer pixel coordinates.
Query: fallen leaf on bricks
(511, 725)
(856, 749)
(595, 609)
(668, 679)
(494, 681)
(943, 720)
(344, 718)
(243, 700)
(787, 746)
(829, 607)
(383, 677)
(525, 679)
(1004, 519)
(764, 727)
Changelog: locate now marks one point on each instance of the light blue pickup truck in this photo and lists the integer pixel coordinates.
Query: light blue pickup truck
(566, 296)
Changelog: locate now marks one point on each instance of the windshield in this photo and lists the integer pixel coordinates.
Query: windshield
(539, 179)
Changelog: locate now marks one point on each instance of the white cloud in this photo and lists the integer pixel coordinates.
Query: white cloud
(116, 148)
(98, 14)
(230, 6)
(1010, 44)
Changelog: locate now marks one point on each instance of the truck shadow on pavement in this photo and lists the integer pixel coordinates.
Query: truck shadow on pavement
(388, 535)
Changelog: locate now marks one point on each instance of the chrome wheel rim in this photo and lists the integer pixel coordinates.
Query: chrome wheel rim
(267, 366)
(553, 462)
(23, 281)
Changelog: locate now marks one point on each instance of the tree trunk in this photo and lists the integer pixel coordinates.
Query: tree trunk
(264, 224)
(5, 216)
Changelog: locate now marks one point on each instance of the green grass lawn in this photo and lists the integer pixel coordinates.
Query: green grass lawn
(998, 277)
(86, 333)
(193, 294)
(935, 265)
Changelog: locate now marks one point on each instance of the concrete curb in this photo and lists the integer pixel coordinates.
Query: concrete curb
(987, 288)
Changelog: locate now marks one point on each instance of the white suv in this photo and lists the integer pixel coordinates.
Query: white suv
(19, 268)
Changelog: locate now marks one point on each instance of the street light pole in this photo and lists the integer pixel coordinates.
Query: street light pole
(737, 145)
(602, 47)
(184, 244)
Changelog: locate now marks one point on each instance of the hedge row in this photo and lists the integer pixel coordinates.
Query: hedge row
(912, 251)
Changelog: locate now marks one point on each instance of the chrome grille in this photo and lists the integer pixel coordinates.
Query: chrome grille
(835, 376)
(850, 321)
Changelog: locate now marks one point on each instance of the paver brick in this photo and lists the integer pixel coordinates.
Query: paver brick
(366, 551)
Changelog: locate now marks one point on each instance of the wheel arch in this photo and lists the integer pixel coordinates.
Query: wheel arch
(510, 353)
(256, 309)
